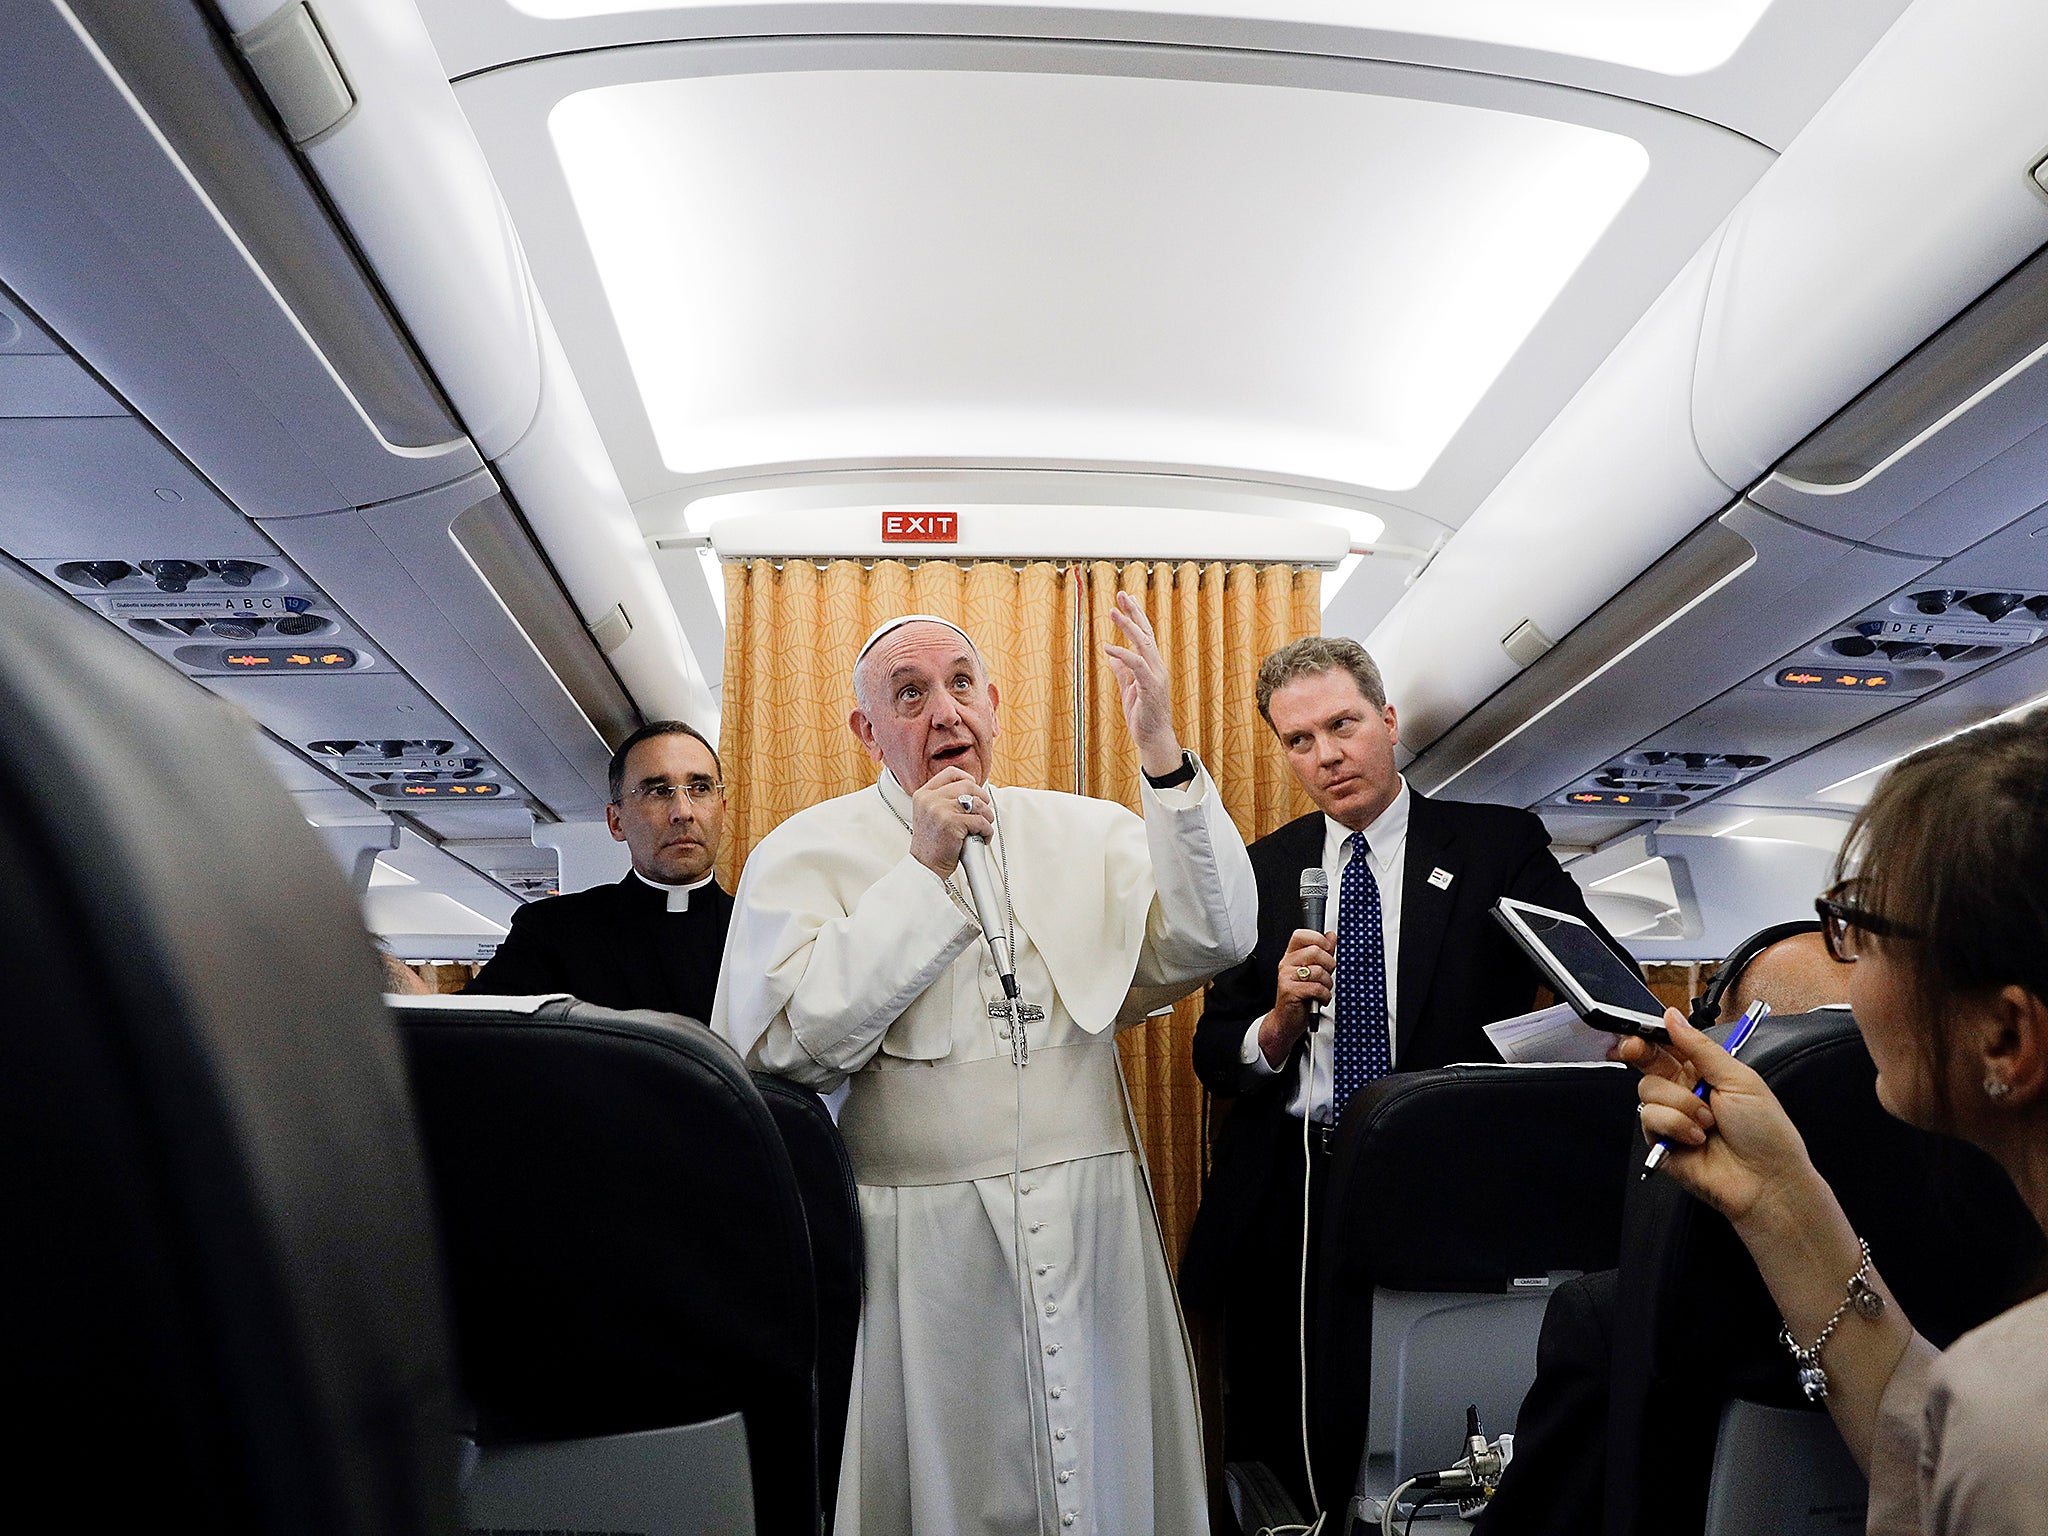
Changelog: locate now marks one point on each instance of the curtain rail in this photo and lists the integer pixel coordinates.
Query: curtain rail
(1059, 563)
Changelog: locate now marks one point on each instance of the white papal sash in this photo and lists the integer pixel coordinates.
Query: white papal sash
(948, 1122)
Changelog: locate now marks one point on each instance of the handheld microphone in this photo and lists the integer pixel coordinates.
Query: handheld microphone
(1315, 899)
(981, 891)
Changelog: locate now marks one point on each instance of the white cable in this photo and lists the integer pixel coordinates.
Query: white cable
(1027, 1317)
(1027, 1312)
(1393, 1501)
(1301, 1303)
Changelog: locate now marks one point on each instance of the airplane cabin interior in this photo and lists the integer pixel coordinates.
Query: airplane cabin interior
(403, 401)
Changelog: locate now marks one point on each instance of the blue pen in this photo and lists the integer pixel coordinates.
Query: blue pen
(1745, 1026)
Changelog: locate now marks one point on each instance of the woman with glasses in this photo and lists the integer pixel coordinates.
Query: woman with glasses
(1945, 913)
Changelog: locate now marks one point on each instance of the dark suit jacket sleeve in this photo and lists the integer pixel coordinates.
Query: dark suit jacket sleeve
(1236, 998)
(527, 962)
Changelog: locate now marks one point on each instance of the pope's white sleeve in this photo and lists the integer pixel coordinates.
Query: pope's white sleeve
(845, 979)
(1205, 913)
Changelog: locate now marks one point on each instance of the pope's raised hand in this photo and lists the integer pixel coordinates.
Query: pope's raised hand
(939, 823)
(1145, 688)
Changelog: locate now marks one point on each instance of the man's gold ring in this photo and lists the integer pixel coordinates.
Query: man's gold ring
(1303, 972)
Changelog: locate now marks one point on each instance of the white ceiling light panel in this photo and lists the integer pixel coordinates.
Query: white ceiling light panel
(836, 265)
(1672, 37)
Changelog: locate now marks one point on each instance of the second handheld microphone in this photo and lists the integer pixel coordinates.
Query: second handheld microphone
(1315, 901)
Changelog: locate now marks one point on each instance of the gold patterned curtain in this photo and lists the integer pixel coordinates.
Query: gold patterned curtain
(1215, 623)
(792, 630)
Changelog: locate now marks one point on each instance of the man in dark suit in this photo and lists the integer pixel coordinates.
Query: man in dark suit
(654, 939)
(1414, 963)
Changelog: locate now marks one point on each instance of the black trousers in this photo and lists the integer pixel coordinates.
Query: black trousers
(1262, 1326)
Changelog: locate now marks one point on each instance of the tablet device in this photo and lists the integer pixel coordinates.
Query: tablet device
(1601, 987)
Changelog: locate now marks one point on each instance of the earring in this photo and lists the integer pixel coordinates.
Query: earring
(1995, 1087)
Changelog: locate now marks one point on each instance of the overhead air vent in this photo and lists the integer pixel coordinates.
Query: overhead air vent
(381, 752)
(1659, 782)
(170, 575)
(425, 768)
(217, 615)
(1919, 640)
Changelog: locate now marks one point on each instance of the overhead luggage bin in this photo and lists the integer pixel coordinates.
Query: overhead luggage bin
(1907, 196)
(1945, 449)
(158, 227)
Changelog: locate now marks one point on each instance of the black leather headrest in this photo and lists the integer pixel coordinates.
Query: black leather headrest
(625, 1238)
(1463, 1178)
(221, 1290)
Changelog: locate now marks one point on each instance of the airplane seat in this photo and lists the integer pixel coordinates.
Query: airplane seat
(824, 1173)
(222, 1300)
(1707, 1429)
(629, 1265)
(1457, 1198)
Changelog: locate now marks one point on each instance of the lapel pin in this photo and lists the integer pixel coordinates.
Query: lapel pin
(1440, 878)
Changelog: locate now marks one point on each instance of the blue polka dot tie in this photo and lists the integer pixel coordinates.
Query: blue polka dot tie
(1359, 1051)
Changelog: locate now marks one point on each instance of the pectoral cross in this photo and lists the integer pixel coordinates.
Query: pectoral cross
(1012, 1031)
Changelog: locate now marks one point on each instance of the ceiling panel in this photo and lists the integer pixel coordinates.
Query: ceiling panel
(955, 264)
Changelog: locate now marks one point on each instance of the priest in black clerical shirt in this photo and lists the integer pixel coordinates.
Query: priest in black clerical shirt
(654, 939)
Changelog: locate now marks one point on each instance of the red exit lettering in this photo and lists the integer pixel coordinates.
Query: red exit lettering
(920, 527)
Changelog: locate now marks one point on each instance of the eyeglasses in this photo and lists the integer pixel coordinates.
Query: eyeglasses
(699, 791)
(1844, 925)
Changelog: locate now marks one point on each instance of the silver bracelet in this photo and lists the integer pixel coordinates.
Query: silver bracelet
(1864, 1297)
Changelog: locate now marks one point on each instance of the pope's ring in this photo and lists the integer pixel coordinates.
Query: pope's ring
(1303, 972)
(967, 802)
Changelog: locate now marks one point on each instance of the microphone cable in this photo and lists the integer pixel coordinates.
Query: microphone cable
(1041, 1456)
(1315, 889)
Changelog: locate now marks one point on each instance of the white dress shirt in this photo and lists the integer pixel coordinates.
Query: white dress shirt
(1386, 844)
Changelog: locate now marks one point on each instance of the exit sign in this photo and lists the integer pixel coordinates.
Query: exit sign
(920, 527)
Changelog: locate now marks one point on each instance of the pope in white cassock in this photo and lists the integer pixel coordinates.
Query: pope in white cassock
(1022, 1365)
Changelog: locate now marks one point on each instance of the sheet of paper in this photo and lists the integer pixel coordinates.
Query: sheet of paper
(1548, 1036)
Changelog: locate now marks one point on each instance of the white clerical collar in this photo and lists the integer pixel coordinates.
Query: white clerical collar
(1383, 834)
(678, 895)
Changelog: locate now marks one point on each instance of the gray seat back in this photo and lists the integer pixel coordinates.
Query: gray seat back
(1459, 1180)
(223, 1305)
(691, 1480)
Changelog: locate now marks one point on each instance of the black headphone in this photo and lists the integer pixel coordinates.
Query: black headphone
(1706, 1008)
